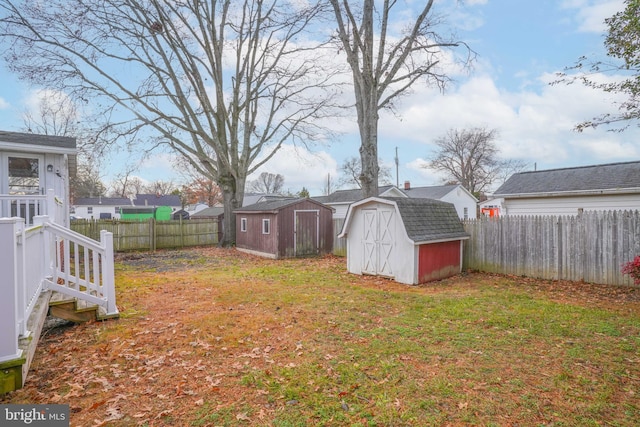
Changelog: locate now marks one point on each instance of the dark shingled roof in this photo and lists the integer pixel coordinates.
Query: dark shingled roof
(105, 201)
(270, 205)
(209, 212)
(433, 192)
(348, 196)
(155, 200)
(428, 220)
(612, 176)
(35, 139)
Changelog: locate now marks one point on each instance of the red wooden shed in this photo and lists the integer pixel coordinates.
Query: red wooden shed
(285, 228)
(410, 240)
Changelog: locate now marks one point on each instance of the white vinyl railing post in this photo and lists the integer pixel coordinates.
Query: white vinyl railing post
(47, 267)
(108, 275)
(51, 206)
(9, 350)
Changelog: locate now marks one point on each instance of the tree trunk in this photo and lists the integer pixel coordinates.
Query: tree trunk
(232, 195)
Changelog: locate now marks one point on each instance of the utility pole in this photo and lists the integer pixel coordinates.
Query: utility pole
(397, 175)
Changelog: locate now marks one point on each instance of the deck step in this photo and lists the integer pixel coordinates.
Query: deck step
(76, 310)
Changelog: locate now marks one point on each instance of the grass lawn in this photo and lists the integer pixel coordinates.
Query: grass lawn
(212, 337)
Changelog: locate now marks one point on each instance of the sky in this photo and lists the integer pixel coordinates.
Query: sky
(520, 46)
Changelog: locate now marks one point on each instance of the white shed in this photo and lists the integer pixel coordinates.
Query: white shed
(410, 240)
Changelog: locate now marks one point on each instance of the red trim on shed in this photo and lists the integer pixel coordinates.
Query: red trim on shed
(438, 260)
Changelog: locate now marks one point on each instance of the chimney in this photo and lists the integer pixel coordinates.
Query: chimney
(407, 185)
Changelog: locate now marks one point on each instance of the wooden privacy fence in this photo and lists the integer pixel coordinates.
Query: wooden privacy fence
(590, 247)
(152, 234)
(339, 245)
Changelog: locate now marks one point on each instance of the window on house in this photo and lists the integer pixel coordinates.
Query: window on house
(266, 225)
(243, 224)
(117, 209)
(466, 213)
(90, 209)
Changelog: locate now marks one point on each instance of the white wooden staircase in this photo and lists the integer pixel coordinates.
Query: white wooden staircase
(48, 269)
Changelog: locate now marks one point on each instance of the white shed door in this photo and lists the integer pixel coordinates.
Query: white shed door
(377, 241)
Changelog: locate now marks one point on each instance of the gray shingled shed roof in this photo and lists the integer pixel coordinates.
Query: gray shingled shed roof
(427, 220)
(587, 179)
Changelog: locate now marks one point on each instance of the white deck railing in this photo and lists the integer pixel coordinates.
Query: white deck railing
(30, 206)
(83, 267)
(47, 256)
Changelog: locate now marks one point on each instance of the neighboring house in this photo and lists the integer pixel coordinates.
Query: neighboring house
(194, 208)
(99, 207)
(285, 228)
(409, 240)
(110, 207)
(491, 208)
(464, 202)
(570, 191)
(41, 256)
(341, 199)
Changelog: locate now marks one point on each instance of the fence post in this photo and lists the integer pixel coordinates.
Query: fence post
(108, 276)
(9, 302)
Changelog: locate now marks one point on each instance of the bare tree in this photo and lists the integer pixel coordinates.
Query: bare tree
(126, 184)
(268, 183)
(223, 83)
(386, 68)
(351, 170)
(160, 187)
(470, 157)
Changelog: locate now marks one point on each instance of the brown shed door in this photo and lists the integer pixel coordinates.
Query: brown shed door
(307, 227)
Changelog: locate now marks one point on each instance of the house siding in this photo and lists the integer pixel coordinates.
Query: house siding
(461, 200)
(569, 205)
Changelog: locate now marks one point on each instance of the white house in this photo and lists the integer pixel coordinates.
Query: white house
(570, 191)
(30, 166)
(41, 256)
(464, 202)
(109, 207)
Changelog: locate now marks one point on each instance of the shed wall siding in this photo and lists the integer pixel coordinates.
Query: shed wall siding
(570, 205)
(438, 260)
(253, 238)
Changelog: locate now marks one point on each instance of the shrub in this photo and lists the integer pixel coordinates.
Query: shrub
(632, 268)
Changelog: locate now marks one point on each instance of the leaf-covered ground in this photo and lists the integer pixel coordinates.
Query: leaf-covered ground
(216, 337)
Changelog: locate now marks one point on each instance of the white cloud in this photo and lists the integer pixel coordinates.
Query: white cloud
(3, 104)
(300, 168)
(590, 14)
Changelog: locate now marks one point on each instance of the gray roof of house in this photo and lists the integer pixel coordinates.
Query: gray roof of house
(209, 212)
(348, 196)
(155, 200)
(106, 201)
(271, 205)
(35, 139)
(612, 176)
(140, 200)
(434, 192)
(427, 220)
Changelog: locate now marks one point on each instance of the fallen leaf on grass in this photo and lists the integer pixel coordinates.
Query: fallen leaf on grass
(243, 417)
